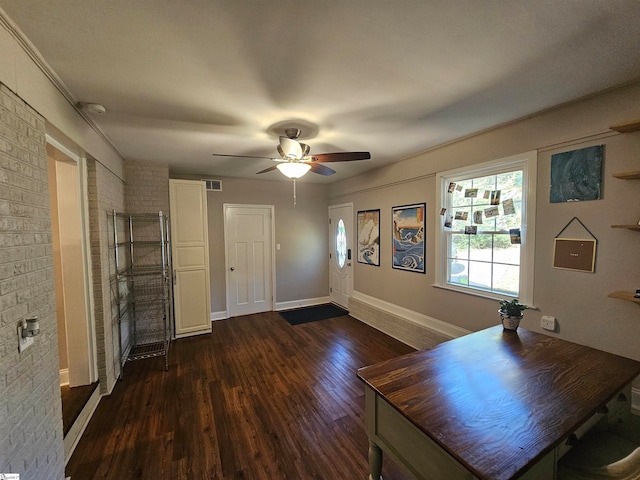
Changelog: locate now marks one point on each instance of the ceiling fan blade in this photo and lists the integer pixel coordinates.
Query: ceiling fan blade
(290, 148)
(241, 156)
(321, 169)
(340, 156)
(268, 169)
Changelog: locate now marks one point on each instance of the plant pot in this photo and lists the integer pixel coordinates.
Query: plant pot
(510, 322)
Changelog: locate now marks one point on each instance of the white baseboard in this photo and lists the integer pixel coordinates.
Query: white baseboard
(75, 433)
(222, 315)
(446, 329)
(305, 302)
(64, 377)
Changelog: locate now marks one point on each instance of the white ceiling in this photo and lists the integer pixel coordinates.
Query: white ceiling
(184, 79)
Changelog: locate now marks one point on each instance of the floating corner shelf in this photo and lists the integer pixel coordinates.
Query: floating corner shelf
(628, 227)
(626, 127)
(624, 296)
(633, 175)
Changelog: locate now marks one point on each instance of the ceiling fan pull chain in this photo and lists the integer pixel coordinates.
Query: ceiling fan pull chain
(294, 193)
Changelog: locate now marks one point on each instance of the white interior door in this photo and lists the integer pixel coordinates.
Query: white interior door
(249, 258)
(190, 257)
(340, 253)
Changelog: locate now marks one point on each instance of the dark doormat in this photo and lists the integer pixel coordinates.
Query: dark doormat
(311, 314)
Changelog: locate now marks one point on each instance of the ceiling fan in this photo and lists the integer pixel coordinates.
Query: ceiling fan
(295, 160)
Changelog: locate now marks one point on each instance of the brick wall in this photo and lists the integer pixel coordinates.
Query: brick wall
(106, 193)
(31, 440)
(147, 191)
(147, 187)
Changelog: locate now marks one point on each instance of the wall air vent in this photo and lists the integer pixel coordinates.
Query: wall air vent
(213, 185)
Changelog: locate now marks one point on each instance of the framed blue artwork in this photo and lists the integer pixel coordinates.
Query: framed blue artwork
(408, 237)
(577, 175)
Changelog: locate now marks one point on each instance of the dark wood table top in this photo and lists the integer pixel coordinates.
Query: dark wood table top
(498, 401)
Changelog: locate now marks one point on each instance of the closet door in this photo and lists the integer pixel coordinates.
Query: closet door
(190, 255)
(250, 269)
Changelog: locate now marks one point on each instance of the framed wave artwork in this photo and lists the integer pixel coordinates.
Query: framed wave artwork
(408, 237)
(369, 237)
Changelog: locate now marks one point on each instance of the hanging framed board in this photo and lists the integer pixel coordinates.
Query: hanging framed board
(575, 254)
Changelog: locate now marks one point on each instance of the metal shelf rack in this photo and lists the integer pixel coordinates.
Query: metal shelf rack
(142, 287)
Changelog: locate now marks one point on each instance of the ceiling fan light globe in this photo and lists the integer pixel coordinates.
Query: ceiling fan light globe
(293, 169)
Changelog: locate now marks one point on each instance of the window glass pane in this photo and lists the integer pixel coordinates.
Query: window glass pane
(480, 275)
(459, 246)
(461, 218)
(481, 247)
(484, 183)
(509, 254)
(506, 279)
(341, 244)
(460, 199)
(458, 272)
(510, 186)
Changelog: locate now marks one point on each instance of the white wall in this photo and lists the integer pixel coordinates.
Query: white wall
(302, 266)
(579, 300)
(31, 440)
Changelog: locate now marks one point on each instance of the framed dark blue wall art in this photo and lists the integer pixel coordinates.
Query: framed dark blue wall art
(577, 175)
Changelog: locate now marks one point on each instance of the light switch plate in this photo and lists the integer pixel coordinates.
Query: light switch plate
(23, 343)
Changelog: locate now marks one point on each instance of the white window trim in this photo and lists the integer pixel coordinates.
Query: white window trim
(529, 162)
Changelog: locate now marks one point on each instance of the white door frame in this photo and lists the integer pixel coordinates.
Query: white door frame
(89, 322)
(272, 210)
(350, 242)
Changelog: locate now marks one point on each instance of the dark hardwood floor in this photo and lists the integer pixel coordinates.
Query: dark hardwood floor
(256, 399)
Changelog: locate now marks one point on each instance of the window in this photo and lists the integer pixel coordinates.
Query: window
(486, 237)
(341, 244)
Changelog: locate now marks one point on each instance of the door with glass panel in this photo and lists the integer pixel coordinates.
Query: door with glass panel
(340, 248)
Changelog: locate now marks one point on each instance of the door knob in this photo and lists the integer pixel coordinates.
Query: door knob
(232, 269)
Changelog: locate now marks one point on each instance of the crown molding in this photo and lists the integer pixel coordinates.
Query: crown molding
(39, 61)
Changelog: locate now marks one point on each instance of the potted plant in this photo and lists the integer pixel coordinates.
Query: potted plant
(511, 312)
